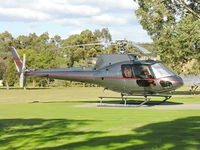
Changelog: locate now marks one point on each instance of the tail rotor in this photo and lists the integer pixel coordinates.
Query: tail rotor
(20, 65)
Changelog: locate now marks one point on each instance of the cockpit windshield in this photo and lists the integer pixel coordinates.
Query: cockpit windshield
(161, 71)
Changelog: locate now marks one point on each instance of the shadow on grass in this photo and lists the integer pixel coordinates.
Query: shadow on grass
(138, 102)
(120, 102)
(152, 103)
(185, 93)
(180, 134)
(32, 133)
(58, 134)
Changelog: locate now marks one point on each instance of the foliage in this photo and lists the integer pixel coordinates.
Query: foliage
(45, 52)
(103, 35)
(41, 52)
(5, 59)
(175, 30)
(79, 55)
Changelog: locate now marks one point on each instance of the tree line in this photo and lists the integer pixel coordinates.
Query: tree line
(174, 26)
(44, 51)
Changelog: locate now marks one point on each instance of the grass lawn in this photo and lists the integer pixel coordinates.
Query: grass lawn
(54, 123)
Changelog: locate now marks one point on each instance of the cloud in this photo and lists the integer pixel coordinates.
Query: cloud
(62, 11)
(108, 4)
(22, 14)
(69, 16)
(43, 10)
(68, 21)
(106, 19)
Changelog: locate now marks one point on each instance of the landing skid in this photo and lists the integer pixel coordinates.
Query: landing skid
(125, 99)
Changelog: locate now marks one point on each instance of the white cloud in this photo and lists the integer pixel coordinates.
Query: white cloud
(69, 16)
(21, 14)
(68, 21)
(61, 8)
(42, 10)
(108, 4)
(108, 20)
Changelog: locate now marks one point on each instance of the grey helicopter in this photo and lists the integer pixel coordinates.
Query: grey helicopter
(122, 72)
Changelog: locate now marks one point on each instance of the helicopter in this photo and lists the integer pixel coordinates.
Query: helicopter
(122, 72)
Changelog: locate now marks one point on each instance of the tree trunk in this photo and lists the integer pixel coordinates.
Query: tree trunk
(7, 85)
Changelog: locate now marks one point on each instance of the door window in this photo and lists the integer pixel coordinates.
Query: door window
(127, 71)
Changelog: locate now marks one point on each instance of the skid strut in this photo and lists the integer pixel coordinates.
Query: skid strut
(125, 98)
(166, 98)
(145, 101)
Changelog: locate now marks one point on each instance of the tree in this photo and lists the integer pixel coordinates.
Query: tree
(103, 35)
(45, 52)
(175, 31)
(189, 6)
(81, 53)
(180, 6)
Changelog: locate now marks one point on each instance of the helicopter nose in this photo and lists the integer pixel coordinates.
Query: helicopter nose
(174, 82)
(178, 82)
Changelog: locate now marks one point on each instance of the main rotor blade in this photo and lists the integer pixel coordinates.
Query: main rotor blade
(89, 44)
(139, 48)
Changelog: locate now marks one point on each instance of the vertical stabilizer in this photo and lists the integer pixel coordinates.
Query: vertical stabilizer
(16, 59)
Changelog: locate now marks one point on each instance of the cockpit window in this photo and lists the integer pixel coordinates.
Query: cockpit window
(144, 75)
(161, 71)
(141, 70)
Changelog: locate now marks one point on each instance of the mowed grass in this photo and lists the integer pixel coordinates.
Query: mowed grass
(55, 123)
(84, 94)
(52, 94)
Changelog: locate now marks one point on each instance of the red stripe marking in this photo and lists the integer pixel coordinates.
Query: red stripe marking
(77, 76)
(19, 63)
(16, 58)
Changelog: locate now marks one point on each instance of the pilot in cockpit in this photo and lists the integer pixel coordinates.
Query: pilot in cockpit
(145, 73)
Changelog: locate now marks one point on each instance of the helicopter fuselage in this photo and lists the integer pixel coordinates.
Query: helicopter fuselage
(123, 73)
(130, 77)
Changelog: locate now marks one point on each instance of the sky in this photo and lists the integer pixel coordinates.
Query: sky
(67, 17)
